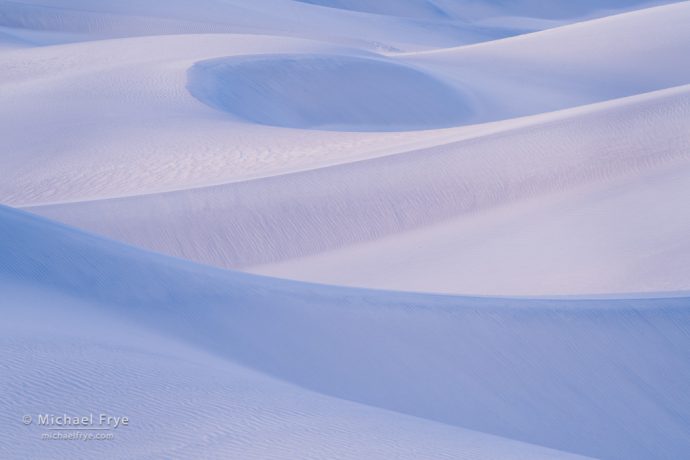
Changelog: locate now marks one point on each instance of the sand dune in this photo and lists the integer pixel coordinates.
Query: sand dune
(558, 371)
(576, 64)
(184, 403)
(464, 9)
(160, 138)
(530, 187)
(327, 92)
(110, 19)
(291, 216)
(325, 198)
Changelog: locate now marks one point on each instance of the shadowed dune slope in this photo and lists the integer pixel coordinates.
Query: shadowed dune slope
(578, 375)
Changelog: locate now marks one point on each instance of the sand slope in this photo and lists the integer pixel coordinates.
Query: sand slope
(570, 157)
(575, 375)
(531, 187)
